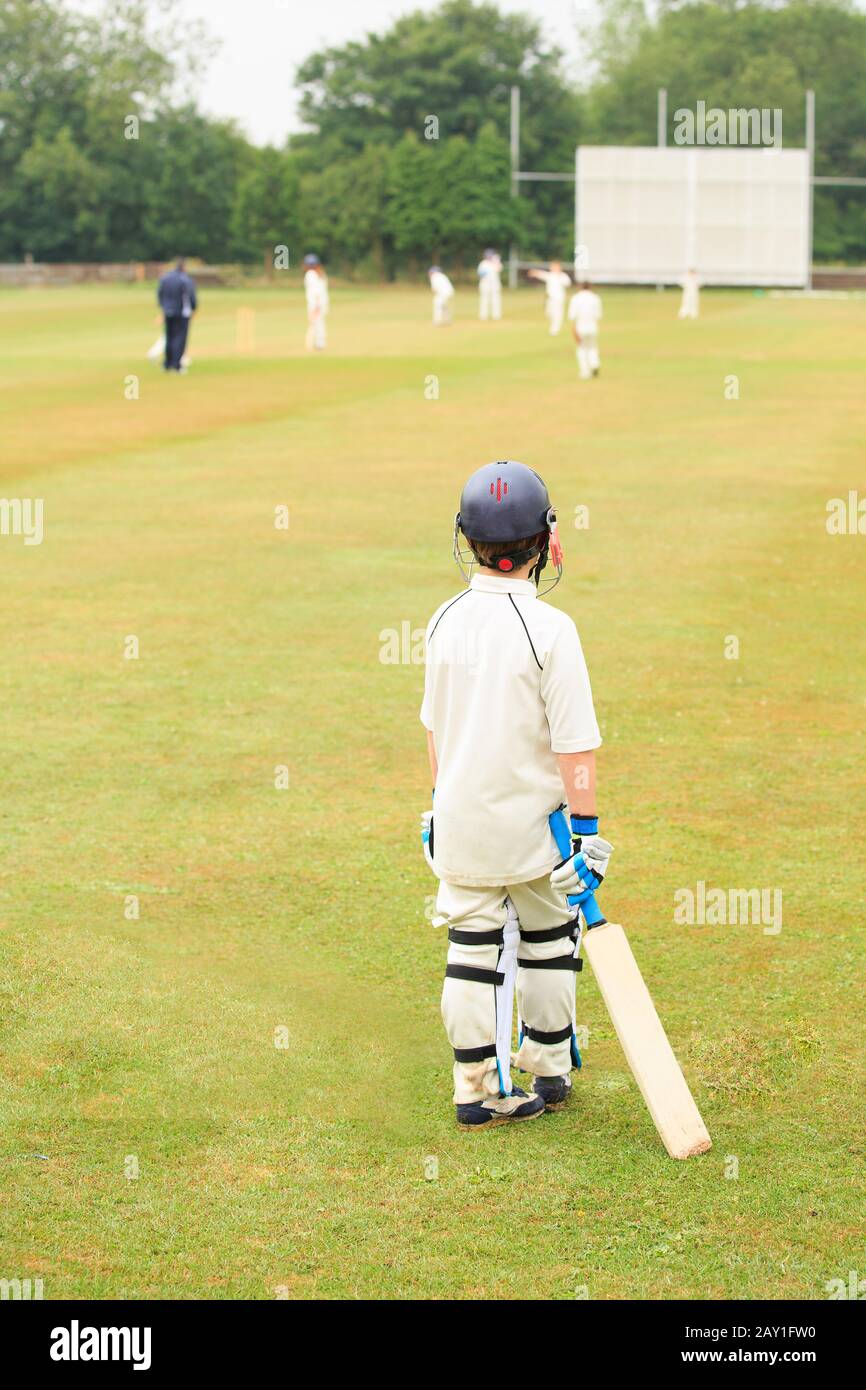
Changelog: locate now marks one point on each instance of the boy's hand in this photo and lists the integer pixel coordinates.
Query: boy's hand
(578, 877)
(584, 870)
(597, 852)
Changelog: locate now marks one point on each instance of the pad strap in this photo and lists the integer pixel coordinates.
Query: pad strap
(552, 933)
(555, 963)
(476, 938)
(474, 973)
(538, 1036)
(474, 1054)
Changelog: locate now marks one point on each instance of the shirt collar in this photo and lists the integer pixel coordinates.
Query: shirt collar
(490, 584)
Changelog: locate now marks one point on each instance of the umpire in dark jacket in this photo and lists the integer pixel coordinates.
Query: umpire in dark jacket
(176, 297)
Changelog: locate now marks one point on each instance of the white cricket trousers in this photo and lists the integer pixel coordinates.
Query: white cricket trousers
(545, 993)
(316, 333)
(442, 308)
(489, 298)
(555, 311)
(588, 359)
(689, 306)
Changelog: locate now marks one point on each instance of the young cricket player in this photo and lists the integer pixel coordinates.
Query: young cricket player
(490, 285)
(555, 282)
(511, 734)
(584, 311)
(691, 285)
(318, 303)
(443, 293)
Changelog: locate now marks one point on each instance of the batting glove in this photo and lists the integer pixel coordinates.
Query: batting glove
(582, 873)
(427, 837)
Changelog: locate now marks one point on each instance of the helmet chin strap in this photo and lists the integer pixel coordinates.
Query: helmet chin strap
(535, 572)
(504, 564)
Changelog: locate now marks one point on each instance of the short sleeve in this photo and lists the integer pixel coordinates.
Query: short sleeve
(567, 695)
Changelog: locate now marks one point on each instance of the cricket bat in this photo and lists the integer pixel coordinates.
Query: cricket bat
(644, 1042)
(641, 1035)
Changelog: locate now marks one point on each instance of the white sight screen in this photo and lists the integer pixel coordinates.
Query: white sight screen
(739, 216)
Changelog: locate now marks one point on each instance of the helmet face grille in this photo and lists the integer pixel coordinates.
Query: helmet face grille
(467, 561)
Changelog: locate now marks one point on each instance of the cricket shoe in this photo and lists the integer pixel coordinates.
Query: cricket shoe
(554, 1090)
(500, 1110)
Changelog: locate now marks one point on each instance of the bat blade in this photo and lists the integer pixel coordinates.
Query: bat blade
(644, 1042)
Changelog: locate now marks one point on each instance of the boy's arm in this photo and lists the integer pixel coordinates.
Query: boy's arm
(431, 754)
(577, 771)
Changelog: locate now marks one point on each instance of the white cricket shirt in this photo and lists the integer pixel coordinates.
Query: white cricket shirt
(556, 282)
(441, 285)
(490, 268)
(505, 689)
(585, 311)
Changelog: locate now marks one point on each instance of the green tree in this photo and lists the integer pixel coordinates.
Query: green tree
(456, 64)
(266, 207)
(412, 218)
(494, 214)
(61, 207)
(195, 165)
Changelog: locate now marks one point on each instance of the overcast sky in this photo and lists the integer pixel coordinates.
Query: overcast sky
(263, 41)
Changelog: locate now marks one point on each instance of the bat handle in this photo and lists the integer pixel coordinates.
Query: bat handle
(592, 913)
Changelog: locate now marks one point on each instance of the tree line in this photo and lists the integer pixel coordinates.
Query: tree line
(404, 154)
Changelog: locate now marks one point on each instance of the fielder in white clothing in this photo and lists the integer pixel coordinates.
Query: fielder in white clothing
(490, 285)
(318, 303)
(555, 282)
(443, 293)
(585, 311)
(511, 734)
(691, 284)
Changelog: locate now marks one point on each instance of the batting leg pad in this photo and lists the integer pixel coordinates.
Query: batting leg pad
(546, 968)
(473, 979)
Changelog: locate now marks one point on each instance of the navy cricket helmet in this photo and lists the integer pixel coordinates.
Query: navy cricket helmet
(502, 502)
(312, 260)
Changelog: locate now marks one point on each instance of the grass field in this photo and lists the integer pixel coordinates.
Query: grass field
(262, 1045)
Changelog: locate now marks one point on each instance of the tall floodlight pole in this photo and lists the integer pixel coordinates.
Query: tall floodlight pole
(662, 116)
(515, 184)
(810, 146)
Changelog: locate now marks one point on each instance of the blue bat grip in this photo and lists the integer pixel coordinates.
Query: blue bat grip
(562, 835)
